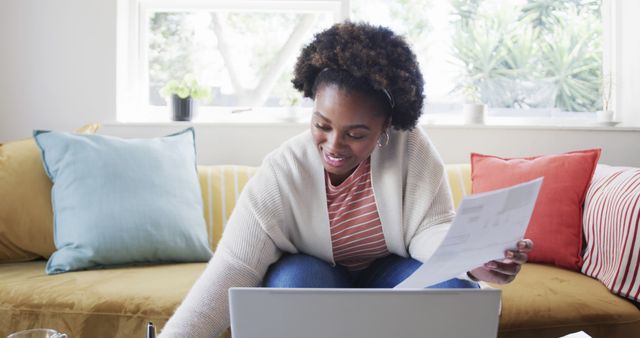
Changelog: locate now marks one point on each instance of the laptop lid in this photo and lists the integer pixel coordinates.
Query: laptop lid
(363, 313)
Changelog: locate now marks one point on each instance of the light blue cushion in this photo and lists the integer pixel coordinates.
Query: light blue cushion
(123, 201)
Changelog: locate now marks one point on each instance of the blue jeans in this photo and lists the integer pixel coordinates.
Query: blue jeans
(303, 271)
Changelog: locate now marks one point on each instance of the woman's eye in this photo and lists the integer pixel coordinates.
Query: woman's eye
(356, 137)
(321, 127)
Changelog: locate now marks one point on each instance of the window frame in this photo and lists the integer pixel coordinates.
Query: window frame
(132, 75)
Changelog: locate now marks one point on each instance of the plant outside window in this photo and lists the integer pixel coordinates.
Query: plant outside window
(519, 57)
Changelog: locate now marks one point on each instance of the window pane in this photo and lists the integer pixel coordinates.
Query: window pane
(245, 57)
(535, 57)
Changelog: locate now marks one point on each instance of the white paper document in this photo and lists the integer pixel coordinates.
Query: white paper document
(580, 334)
(485, 225)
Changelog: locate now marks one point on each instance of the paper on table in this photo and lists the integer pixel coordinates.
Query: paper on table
(485, 226)
(580, 334)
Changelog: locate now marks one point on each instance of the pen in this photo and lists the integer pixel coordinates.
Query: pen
(151, 330)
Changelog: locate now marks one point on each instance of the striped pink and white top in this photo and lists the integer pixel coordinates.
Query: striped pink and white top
(356, 230)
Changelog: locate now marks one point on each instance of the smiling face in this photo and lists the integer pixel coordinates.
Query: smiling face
(346, 126)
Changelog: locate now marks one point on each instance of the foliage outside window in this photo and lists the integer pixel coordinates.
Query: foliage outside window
(517, 56)
(245, 57)
(539, 54)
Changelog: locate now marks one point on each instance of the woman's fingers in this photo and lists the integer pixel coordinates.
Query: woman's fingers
(509, 269)
(501, 278)
(505, 270)
(519, 255)
(525, 245)
(515, 257)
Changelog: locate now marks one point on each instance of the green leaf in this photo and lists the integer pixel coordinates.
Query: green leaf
(187, 87)
(182, 92)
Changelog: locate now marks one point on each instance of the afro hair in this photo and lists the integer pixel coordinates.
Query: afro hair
(365, 58)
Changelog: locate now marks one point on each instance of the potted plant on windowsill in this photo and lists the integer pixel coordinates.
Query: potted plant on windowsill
(606, 115)
(292, 105)
(473, 110)
(183, 95)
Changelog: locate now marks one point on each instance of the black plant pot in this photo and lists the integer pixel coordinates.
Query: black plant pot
(183, 109)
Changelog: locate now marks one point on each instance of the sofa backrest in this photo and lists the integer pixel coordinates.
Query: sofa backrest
(459, 176)
(221, 186)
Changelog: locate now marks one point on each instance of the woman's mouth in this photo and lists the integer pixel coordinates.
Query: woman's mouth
(335, 160)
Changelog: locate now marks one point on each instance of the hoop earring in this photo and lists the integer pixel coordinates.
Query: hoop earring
(386, 139)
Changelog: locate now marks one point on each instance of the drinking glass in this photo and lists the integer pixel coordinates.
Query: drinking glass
(37, 333)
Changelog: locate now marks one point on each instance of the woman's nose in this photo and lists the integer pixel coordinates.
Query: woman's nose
(335, 140)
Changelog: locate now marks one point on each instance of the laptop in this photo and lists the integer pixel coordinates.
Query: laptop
(363, 313)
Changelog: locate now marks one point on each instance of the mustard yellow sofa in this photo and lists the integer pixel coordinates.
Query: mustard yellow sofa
(544, 301)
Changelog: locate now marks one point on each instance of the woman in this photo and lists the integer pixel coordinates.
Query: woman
(357, 201)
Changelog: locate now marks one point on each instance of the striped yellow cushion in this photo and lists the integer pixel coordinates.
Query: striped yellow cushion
(459, 180)
(221, 186)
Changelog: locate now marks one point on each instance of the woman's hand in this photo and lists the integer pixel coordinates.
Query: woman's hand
(504, 271)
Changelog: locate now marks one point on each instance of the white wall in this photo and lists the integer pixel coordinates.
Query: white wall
(57, 64)
(58, 71)
(248, 143)
(627, 60)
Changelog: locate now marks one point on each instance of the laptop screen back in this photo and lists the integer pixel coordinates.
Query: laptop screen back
(363, 313)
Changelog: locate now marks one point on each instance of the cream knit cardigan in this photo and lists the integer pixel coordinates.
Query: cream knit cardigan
(283, 208)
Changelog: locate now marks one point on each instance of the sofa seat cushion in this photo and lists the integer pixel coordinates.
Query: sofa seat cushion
(99, 303)
(546, 301)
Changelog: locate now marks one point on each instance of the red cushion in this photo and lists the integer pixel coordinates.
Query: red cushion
(556, 223)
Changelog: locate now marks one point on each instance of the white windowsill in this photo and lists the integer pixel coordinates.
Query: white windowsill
(257, 119)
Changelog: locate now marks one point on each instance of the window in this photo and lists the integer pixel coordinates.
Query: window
(521, 57)
(242, 51)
